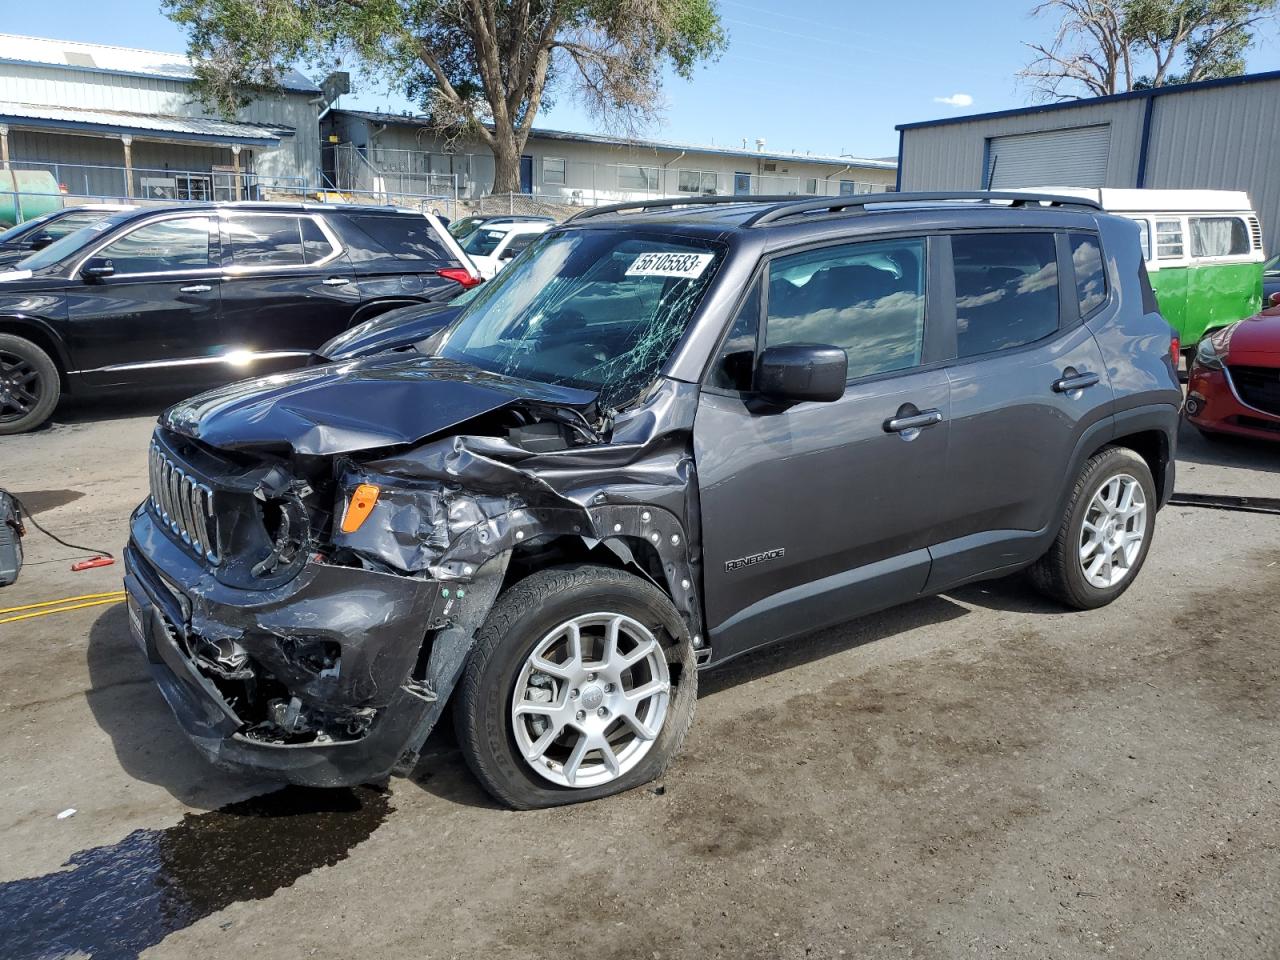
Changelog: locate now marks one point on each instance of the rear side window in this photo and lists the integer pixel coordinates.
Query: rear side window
(1169, 239)
(1219, 237)
(1091, 277)
(867, 298)
(403, 237)
(1006, 290)
(260, 241)
(181, 243)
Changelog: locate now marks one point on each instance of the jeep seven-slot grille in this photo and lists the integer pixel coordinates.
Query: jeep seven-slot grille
(183, 503)
(1259, 387)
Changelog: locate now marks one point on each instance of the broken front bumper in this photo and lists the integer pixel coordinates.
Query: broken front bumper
(377, 621)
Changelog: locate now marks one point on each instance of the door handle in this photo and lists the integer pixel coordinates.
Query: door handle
(1071, 380)
(913, 422)
(195, 288)
(336, 282)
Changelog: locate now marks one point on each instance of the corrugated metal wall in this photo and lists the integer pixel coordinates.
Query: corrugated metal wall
(949, 157)
(1225, 137)
(297, 156)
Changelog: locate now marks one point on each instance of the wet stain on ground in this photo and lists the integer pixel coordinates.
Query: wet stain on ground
(116, 901)
(38, 501)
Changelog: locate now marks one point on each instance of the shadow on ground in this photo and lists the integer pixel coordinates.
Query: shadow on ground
(1224, 450)
(128, 707)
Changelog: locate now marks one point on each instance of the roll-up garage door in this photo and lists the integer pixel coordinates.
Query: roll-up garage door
(1075, 157)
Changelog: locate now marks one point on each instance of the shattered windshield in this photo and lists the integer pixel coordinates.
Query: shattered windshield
(593, 309)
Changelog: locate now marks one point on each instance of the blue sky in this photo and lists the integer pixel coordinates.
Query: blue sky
(818, 75)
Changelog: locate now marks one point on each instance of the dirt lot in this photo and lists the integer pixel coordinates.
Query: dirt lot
(973, 775)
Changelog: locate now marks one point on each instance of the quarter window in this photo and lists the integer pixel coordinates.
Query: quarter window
(1219, 237)
(867, 298)
(1006, 290)
(735, 366)
(1091, 277)
(177, 244)
(260, 241)
(553, 170)
(1169, 239)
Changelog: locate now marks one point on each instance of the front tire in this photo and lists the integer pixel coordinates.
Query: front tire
(1105, 533)
(29, 385)
(582, 685)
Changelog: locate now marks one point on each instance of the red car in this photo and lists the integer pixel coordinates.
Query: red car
(1234, 382)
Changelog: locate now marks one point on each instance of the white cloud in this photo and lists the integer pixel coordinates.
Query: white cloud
(956, 100)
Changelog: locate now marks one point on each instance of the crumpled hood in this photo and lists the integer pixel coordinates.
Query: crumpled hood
(381, 401)
(389, 331)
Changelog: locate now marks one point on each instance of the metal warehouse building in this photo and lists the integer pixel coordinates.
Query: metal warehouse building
(117, 122)
(1219, 134)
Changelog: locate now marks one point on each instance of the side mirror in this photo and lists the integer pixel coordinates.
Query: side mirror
(97, 268)
(508, 254)
(796, 372)
(40, 241)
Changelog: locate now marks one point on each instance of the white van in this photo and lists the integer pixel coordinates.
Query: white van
(1203, 250)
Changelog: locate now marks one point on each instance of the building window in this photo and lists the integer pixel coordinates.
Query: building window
(811, 185)
(1169, 239)
(698, 181)
(553, 169)
(632, 177)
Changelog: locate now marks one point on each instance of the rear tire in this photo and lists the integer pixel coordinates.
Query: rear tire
(29, 385)
(1105, 533)
(526, 759)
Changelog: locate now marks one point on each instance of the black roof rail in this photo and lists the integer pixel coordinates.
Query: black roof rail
(666, 203)
(794, 207)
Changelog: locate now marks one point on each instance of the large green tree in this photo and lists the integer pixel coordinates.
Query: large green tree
(479, 67)
(1113, 46)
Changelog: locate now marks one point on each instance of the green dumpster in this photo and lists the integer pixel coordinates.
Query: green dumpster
(27, 193)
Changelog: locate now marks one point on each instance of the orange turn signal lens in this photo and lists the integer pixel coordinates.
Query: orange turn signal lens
(361, 505)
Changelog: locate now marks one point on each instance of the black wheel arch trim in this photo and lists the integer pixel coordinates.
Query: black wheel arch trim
(44, 335)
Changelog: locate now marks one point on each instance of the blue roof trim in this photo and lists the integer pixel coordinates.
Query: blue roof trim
(145, 134)
(1092, 101)
(292, 86)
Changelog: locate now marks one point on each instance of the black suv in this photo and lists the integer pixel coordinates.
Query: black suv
(205, 293)
(667, 434)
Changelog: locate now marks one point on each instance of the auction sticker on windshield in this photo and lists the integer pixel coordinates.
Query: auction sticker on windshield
(669, 264)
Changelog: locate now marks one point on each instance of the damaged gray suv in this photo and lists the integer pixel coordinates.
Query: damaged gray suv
(669, 433)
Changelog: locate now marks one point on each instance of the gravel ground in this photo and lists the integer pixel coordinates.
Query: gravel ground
(970, 775)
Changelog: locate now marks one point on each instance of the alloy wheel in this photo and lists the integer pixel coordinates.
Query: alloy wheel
(1114, 528)
(591, 699)
(21, 387)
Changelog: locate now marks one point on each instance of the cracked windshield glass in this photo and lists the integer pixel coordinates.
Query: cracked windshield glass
(594, 309)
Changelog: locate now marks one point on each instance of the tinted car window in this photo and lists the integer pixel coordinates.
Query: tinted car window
(519, 242)
(403, 237)
(181, 243)
(865, 297)
(262, 241)
(1218, 237)
(315, 245)
(1091, 278)
(1006, 290)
